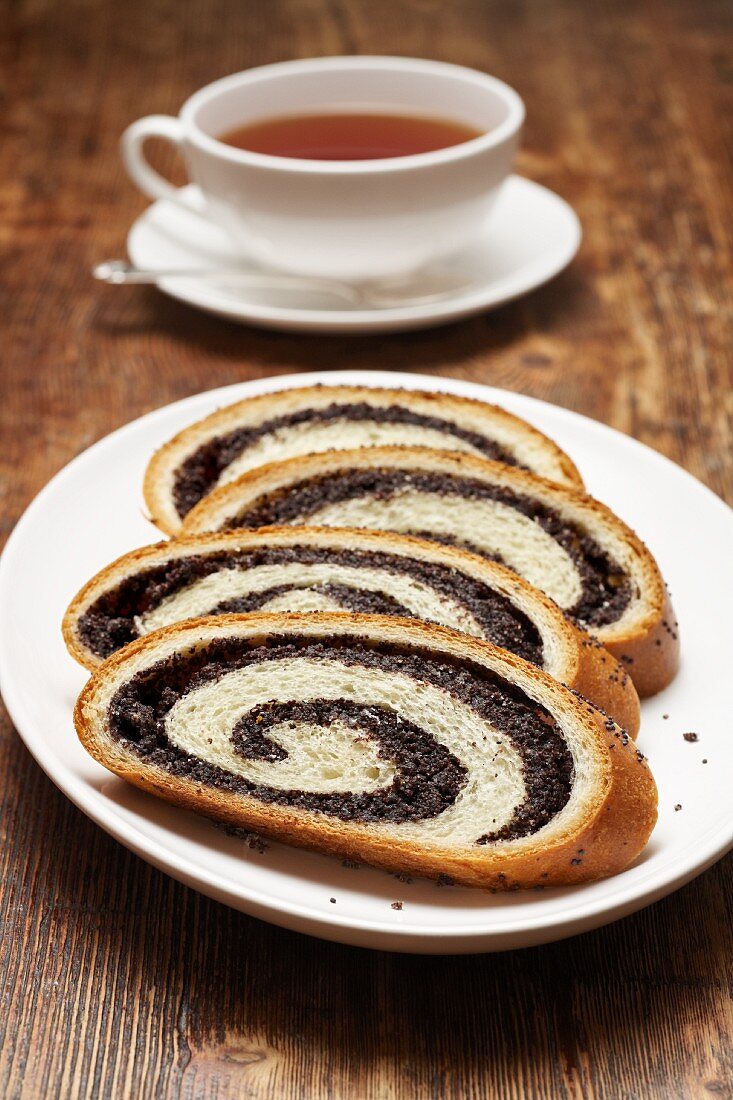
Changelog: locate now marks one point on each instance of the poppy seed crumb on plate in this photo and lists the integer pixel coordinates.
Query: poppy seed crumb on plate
(691, 737)
(253, 840)
(332, 900)
(396, 905)
(678, 806)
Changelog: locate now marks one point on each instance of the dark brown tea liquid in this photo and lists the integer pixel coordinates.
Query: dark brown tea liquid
(349, 136)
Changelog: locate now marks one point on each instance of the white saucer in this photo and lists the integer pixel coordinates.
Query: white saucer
(531, 236)
(92, 511)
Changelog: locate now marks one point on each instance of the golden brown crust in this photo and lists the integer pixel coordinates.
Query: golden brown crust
(94, 587)
(255, 409)
(606, 682)
(651, 655)
(653, 649)
(586, 667)
(615, 827)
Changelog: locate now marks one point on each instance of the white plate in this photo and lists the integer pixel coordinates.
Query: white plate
(532, 235)
(92, 511)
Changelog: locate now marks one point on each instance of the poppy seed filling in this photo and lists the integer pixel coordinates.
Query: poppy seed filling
(605, 588)
(199, 472)
(109, 622)
(428, 776)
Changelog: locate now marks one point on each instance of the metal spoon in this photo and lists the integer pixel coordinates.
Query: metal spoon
(120, 273)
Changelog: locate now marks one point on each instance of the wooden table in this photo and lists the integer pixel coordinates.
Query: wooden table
(116, 981)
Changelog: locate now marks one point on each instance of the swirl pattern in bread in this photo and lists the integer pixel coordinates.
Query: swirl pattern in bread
(307, 569)
(399, 743)
(559, 539)
(293, 422)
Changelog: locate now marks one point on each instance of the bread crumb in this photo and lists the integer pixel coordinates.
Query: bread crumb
(396, 905)
(253, 840)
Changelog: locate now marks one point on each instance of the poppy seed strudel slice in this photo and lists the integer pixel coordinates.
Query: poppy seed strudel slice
(560, 540)
(395, 742)
(317, 569)
(292, 422)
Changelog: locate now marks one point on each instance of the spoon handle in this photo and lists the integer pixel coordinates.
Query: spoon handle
(363, 295)
(122, 273)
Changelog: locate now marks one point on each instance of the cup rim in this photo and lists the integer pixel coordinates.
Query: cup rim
(386, 165)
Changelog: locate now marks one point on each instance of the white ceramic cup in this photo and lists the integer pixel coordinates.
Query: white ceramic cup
(353, 220)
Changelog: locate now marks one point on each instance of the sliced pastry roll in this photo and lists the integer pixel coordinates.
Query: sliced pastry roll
(327, 569)
(559, 539)
(395, 742)
(294, 422)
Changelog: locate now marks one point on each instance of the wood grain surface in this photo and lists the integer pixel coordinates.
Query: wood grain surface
(114, 980)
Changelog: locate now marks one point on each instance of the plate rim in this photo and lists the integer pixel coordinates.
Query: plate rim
(462, 304)
(406, 937)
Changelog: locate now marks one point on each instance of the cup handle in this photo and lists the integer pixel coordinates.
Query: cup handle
(150, 182)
